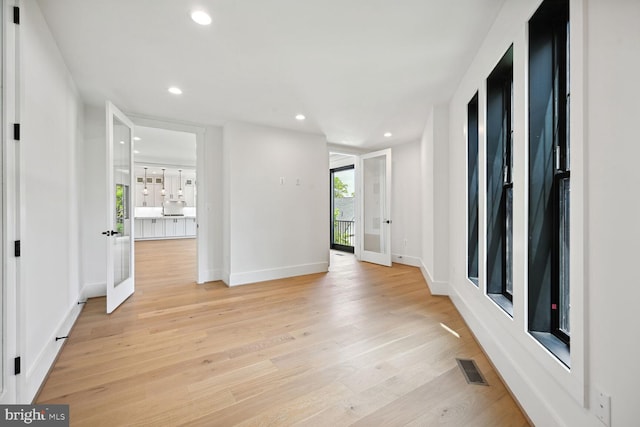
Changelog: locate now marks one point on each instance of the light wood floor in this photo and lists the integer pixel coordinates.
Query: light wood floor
(361, 345)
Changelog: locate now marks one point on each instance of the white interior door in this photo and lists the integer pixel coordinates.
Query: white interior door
(11, 307)
(120, 187)
(375, 207)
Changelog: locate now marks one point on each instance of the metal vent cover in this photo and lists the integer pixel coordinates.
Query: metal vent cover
(471, 372)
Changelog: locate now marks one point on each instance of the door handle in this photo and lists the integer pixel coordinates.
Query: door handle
(110, 233)
(388, 221)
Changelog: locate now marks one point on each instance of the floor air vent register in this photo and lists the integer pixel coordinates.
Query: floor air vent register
(471, 372)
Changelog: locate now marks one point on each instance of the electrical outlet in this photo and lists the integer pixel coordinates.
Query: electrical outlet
(603, 408)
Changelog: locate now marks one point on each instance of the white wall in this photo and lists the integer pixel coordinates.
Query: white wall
(210, 246)
(226, 206)
(427, 190)
(274, 229)
(604, 97)
(434, 164)
(612, 232)
(50, 147)
(406, 209)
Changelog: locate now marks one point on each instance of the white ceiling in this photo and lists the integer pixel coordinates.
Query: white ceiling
(355, 68)
(164, 147)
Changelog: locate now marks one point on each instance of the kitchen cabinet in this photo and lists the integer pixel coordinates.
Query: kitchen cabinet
(190, 227)
(138, 228)
(151, 228)
(174, 227)
(173, 182)
(189, 188)
(154, 197)
(140, 198)
(165, 228)
(189, 191)
(173, 186)
(157, 196)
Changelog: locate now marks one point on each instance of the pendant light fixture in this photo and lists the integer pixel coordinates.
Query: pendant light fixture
(163, 191)
(145, 191)
(180, 183)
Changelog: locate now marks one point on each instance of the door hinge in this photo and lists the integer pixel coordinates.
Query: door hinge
(16, 366)
(16, 15)
(16, 248)
(16, 131)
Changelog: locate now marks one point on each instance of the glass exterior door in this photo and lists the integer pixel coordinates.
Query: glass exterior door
(343, 208)
(119, 233)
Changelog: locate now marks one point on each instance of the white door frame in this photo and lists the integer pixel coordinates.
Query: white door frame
(12, 306)
(202, 229)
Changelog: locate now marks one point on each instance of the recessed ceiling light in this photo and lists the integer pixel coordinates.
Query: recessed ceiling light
(200, 17)
(136, 152)
(121, 142)
(388, 134)
(175, 90)
(300, 117)
(136, 138)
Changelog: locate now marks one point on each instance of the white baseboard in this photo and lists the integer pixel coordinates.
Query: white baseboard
(436, 287)
(406, 260)
(37, 371)
(236, 279)
(439, 288)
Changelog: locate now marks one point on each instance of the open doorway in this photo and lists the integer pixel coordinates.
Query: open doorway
(165, 193)
(343, 203)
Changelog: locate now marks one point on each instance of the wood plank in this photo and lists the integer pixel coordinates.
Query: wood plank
(360, 345)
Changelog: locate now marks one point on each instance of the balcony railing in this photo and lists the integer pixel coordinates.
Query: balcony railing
(343, 232)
